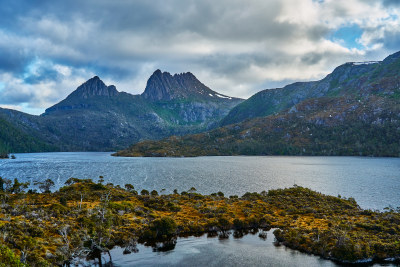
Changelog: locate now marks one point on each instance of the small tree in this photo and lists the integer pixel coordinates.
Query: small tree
(129, 187)
(7, 183)
(164, 227)
(18, 187)
(192, 190)
(223, 224)
(154, 193)
(1, 184)
(144, 192)
(45, 186)
(72, 181)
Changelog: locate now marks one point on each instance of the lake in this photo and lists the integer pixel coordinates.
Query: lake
(373, 182)
(250, 250)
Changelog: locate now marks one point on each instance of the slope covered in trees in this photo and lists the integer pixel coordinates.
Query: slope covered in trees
(15, 140)
(325, 126)
(358, 80)
(353, 111)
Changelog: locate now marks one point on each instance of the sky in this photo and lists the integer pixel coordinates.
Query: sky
(236, 47)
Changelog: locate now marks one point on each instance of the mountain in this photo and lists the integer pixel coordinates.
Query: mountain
(182, 99)
(16, 135)
(97, 117)
(353, 78)
(94, 87)
(162, 86)
(355, 110)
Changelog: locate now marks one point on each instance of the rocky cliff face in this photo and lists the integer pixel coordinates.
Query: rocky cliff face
(182, 99)
(78, 99)
(162, 86)
(94, 87)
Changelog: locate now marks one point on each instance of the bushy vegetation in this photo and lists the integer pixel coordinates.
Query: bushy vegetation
(8, 258)
(324, 126)
(85, 219)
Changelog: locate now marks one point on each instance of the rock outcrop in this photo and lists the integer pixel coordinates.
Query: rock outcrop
(162, 86)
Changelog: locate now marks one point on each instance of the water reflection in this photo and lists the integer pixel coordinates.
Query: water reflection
(254, 247)
(246, 248)
(164, 246)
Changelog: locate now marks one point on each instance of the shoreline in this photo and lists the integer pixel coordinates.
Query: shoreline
(200, 156)
(158, 246)
(90, 217)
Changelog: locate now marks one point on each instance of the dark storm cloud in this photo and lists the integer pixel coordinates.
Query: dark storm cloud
(94, 31)
(12, 60)
(392, 41)
(230, 44)
(43, 74)
(231, 66)
(312, 58)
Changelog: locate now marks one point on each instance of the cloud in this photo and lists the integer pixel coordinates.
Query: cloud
(391, 2)
(48, 48)
(42, 84)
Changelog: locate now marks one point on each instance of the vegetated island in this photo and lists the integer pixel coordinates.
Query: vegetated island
(6, 155)
(85, 219)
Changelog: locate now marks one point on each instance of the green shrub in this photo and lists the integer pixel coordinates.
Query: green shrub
(144, 192)
(164, 227)
(8, 258)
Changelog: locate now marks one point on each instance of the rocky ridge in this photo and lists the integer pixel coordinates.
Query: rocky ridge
(96, 117)
(359, 79)
(162, 86)
(355, 110)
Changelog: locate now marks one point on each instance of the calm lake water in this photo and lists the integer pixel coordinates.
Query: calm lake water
(373, 182)
(249, 250)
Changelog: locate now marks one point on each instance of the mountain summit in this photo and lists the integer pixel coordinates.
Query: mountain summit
(163, 86)
(96, 117)
(94, 87)
(79, 98)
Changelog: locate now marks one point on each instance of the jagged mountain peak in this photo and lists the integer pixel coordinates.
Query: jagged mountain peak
(158, 73)
(94, 87)
(163, 86)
